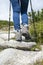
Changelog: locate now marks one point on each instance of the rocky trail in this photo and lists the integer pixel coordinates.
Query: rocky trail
(14, 53)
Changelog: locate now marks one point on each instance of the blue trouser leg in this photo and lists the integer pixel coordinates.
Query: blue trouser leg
(16, 12)
(24, 6)
(16, 19)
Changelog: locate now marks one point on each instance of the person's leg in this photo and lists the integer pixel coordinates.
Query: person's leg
(24, 7)
(16, 18)
(16, 12)
(24, 30)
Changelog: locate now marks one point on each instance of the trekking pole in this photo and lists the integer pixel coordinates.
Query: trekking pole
(9, 21)
(35, 33)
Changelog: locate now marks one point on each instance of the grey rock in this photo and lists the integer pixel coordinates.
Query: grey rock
(16, 44)
(18, 57)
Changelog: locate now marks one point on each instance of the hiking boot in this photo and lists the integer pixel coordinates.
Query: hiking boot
(25, 33)
(18, 36)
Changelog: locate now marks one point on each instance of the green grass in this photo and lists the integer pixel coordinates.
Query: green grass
(39, 63)
(1, 49)
(39, 31)
(5, 23)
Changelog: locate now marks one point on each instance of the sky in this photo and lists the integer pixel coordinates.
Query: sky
(4, 8)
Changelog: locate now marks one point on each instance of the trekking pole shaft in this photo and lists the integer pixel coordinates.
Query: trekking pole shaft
(9, 22)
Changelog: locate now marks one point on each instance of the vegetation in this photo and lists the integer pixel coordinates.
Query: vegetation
(37, 15)
(36, 25)
(5, 23)
(39, 30)
(39, 63)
